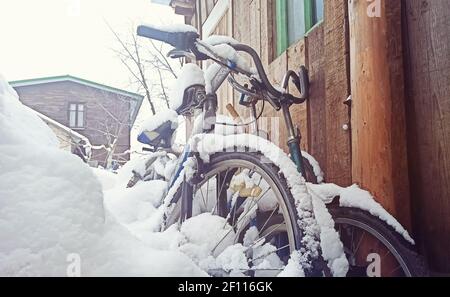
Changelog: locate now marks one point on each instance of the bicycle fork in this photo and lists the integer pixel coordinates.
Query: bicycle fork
(187, 189)
(294, 138)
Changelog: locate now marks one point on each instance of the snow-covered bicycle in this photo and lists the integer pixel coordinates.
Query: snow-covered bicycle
(245, 184)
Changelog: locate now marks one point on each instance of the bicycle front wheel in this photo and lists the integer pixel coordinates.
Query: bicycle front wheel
(252, 201)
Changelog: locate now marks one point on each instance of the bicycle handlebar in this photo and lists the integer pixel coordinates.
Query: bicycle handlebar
(179, 40)
(188, 41)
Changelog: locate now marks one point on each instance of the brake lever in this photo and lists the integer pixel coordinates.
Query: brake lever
(176, 53)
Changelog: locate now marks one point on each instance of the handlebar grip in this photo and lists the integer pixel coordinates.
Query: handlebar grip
(179, 40)
(155, 34)
(303, 82)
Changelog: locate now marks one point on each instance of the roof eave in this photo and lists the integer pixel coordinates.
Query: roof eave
(50, 79)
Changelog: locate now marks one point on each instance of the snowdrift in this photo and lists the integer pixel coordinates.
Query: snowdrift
(51, 208)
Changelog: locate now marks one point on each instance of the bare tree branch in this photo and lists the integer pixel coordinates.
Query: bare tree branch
(135, 57)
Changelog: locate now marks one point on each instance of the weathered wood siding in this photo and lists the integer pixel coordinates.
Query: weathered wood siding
(324, 52)
(427, 39)
(337, 89)
(378, 112)
(391, 143)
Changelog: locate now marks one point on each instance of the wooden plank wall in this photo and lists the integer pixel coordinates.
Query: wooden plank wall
(206, 6)
(427, 39)
(296, 57)
(317, 133)
(225, 93)
(322, 118)
(325, 52)
(337, 90)
(378, 112)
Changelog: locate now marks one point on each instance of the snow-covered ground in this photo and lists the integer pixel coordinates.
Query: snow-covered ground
(140, 209)
(52, 211)
(60, 217)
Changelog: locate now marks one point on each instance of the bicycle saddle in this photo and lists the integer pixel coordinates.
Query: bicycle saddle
(161, 137)
(158, 131)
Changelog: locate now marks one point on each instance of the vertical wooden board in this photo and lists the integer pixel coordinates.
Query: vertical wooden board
(235, 8)
(209, 6)
(276, 71)
(237, 20)
(317, 103)
(401, 191)
(378, 117)
(337, 90)
(225, 94)
(241, 16)
(427, 38)
(255, 25)
(237, 34)
(296, 56)
(246, 27)
(267, 36)
(203, 10)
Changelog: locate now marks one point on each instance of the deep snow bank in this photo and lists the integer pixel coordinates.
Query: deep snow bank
(19, 125)
(51, 207)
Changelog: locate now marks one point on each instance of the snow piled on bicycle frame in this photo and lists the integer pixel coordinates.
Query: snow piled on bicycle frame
(322, 225)
(352, 196)
(191, 75)
(316, 167)
(153, 122)
(52, 212)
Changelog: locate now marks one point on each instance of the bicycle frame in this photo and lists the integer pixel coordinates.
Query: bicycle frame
(209, 111)
(294, 139)
(270, 94)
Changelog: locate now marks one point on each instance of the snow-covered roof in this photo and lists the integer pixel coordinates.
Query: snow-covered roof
(60, 126)
(60, 78)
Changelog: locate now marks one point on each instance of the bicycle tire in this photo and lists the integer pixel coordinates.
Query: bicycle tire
(309, 170)
(413, 262)
(412, 259)
(269, 168)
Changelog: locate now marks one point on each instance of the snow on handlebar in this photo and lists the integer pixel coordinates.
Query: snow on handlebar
(224, 51)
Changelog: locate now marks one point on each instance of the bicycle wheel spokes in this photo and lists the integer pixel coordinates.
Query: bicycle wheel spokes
(245, 198)
(368, 253)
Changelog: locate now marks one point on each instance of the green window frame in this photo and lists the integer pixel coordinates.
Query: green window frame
(312, 14)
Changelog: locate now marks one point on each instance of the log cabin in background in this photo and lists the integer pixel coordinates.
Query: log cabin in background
(393, 58)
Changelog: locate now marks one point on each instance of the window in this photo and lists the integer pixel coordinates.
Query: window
(294, 18)
(317, 12)
(76, 115)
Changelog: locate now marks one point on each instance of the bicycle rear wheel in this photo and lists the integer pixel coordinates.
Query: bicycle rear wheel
(373, 248)
(367, 239)
(252, 200)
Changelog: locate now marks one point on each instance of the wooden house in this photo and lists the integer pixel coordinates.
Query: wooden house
(379, 110)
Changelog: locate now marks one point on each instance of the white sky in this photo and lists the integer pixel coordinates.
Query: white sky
(56, 37)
